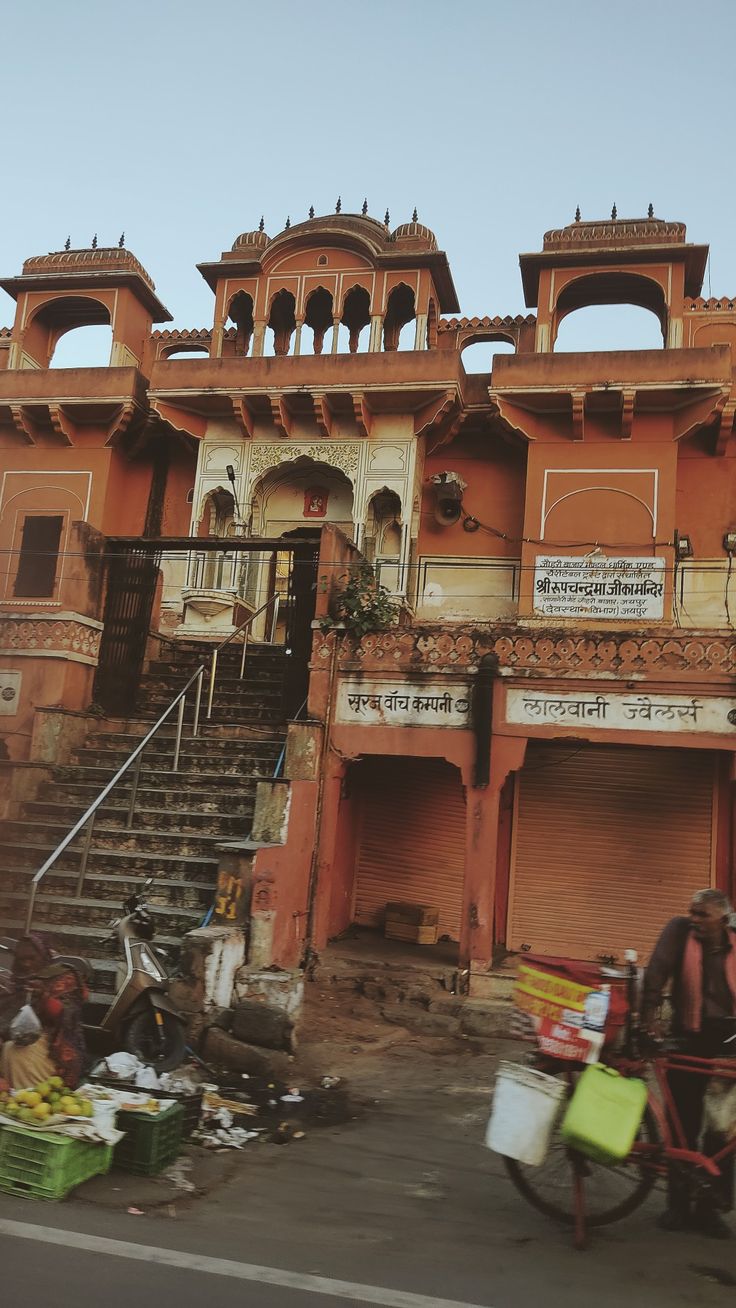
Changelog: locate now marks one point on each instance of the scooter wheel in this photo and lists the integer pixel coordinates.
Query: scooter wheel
(162, 1047)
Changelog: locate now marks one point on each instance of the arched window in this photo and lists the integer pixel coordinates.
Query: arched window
(400, 311)
(186, 352)
(478, 356)
(615, 305)
(600, 327)
(83, 347)
(241, 313)
(356, 315)
(382, 542)
(282, 321)
(319, 316)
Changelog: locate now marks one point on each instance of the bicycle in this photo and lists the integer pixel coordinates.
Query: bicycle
(571, 1188)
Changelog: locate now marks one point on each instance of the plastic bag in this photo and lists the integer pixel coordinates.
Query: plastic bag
(25, 1027)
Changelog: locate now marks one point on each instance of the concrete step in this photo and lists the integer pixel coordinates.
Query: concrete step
(112, 887)
(124, 742)
(76, 939)
(243, 715)
(133, 863)
(105, 837)
(209, 788)
(227, 680)
(66, 910)
(259, 761)
(187, 798)
(145, 817)
(258, 657)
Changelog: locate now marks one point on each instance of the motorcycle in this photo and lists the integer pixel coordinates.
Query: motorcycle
(140, 1018)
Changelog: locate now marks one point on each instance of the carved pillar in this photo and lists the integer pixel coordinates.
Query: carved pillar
(376, 337)
(335, 335)
(298, 336)
(420, 335)
(259, 337)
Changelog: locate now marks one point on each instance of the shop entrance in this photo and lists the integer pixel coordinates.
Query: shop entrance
(409, 819)
(608, 843)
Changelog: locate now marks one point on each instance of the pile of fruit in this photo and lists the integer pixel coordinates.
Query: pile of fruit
(49, 1101)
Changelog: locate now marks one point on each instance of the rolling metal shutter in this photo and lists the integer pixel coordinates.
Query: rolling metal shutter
(608, 844)
(412, 840)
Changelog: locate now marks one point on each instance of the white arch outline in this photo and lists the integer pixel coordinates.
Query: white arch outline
(617, 472)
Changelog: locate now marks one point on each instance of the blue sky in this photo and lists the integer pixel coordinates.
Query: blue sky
(181, 123)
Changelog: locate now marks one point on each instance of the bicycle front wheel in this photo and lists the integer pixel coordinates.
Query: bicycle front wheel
(611, 1192)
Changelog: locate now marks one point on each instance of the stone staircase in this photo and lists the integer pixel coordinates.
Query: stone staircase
(179, 818)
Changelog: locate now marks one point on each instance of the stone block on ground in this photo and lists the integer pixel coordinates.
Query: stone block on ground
(262, 1024)
(224, 1050)
(484, 1019)
(278, 987)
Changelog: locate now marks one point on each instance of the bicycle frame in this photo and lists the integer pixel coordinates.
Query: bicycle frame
(675, 1146)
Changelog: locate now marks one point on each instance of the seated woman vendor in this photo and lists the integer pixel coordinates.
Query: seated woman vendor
(56, 995)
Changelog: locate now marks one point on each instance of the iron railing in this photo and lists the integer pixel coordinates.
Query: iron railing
(135, 758)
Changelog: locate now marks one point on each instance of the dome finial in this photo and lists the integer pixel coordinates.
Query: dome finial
(650, 211)
(415, 215)
(94, 241)
(68, 243)
(577, 214)
(311, 211)
(261, 225)
(287, 224)
(338, 206)
(121, 242)
(364, 210)
(614, 214)
(387, 218)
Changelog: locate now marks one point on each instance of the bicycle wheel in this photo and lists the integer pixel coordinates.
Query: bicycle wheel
(611, 1192)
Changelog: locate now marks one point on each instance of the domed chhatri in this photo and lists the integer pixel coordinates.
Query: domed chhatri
(414, 234)
(251, 241)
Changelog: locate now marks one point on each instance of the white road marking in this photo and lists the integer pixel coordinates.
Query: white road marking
(182, 1261)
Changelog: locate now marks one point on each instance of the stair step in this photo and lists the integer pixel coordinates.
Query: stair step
(141, 839)
(122, 885)
(145, 862)
(113, 815)
(63, 936)
(214, 785)
(98, 912)
(160, 764)
(125, 742)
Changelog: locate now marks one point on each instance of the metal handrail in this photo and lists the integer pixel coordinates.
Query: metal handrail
(272, 599)
(136, 756)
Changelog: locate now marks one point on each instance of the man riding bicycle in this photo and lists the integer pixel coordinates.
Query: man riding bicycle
(697, 954)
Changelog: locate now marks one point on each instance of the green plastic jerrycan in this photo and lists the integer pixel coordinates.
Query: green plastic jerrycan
(604, 1114)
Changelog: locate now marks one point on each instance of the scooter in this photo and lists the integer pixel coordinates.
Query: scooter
(141, 1019)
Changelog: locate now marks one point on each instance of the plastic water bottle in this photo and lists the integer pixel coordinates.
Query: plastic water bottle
(595, 1009)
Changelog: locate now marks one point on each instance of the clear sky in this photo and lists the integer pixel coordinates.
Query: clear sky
(181, 123)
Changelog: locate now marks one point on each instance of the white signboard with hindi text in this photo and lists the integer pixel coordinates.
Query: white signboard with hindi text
(620, 711)
(623, 589)
(404, 704)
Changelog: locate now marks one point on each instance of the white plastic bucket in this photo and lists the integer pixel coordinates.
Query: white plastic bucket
(526, 1104)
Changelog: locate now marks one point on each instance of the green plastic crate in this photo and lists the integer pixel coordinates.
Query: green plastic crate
(150, 1142)
(42, 1165)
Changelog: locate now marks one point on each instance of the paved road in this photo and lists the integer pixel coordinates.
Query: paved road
(404, 1201)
